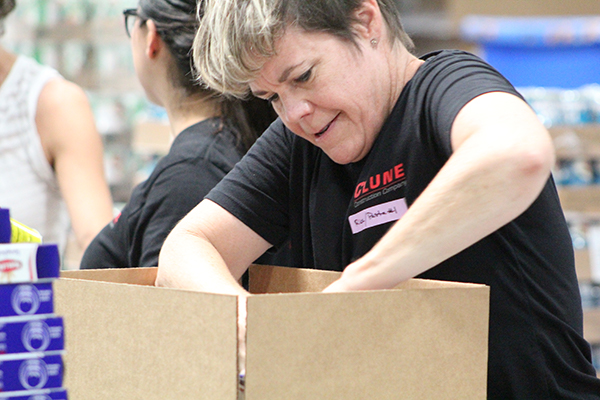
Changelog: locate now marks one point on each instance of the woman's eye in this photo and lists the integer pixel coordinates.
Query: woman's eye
(304, 77)
(273, 98)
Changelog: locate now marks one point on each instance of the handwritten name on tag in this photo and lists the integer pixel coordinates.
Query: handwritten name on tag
(377, 215)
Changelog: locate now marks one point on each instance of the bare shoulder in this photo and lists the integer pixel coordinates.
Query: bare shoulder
(61, 95)
(64, 118)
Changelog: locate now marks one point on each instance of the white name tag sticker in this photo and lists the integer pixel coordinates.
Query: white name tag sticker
(377, 215)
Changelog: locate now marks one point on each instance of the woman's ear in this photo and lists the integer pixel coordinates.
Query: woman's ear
(369, 20)
(153, 40)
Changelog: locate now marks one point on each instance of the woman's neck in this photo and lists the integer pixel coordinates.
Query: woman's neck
(403, 67)
(187, 112)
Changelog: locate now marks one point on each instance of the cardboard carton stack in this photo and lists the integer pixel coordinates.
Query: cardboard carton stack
(131, 340)
(31, 335)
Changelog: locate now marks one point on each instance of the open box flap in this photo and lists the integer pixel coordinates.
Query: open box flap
(133, 276)
(271, 279)
(400, 344)
(139, 342)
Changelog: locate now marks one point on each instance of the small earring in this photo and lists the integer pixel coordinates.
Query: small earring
(374, 42)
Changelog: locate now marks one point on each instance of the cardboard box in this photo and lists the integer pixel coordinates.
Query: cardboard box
(128, 340)
(591, 325)
(582, 265)
(151, 138)
(584, 199)
(457, 9)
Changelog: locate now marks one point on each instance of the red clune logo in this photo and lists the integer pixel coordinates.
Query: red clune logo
(379, 184)
(380, 181)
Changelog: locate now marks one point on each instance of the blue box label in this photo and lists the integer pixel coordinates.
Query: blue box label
(18, 335)
(26, 299)
(29, 371)
(50, 394)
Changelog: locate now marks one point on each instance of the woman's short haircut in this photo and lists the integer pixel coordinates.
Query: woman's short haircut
(236, 36)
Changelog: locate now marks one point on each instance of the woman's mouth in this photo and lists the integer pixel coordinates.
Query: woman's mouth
(325, 129)
(318, 134)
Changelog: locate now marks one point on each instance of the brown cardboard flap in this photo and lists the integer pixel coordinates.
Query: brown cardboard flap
(433, 284)
(271, 279)
(591, 325)
(394, 344)
(136, 342)
(133, 276)
(459, 8)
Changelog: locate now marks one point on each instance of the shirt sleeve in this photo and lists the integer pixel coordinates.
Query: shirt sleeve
(107, 249)
(455, 78)
(256, 191)
(174, 193)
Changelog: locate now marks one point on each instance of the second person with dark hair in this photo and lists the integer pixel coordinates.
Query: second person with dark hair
(210, 134)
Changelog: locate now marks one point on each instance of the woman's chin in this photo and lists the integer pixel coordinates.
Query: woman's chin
(343, 157)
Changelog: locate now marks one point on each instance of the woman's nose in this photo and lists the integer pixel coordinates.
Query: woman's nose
(296, 108)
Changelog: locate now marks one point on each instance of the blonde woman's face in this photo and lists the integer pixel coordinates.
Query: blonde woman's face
(327, 91)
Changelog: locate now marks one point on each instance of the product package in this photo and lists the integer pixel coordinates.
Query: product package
(13, 231)
(29, 371)
(26, 299)
(46, 394)
(31, 334)
(28, 262)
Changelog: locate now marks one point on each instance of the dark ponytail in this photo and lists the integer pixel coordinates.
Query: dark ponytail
(177, 24)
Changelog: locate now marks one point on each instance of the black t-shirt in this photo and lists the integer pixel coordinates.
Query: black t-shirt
(287, 189)
(199, 157)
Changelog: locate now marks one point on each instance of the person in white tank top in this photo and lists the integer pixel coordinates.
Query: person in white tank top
(51, 155)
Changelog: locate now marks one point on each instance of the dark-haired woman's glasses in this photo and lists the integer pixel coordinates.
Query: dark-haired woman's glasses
(130, 15)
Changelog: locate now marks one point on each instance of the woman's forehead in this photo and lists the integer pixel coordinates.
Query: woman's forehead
(298, 45)
(296, 50)
(292, 49)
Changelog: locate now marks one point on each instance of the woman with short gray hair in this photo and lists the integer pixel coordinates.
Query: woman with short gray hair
(388, 166)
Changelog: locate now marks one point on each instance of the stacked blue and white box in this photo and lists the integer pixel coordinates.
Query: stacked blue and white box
(31, 335)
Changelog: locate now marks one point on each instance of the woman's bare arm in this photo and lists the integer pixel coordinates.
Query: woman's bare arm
(502, 159)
